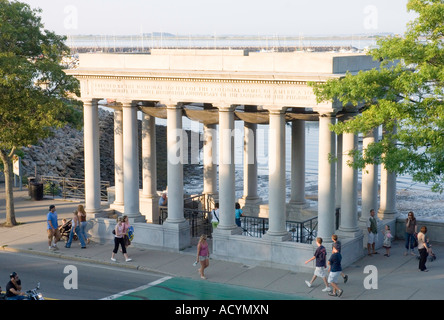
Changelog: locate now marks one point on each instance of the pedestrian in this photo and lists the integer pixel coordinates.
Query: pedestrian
(163, 200)
(338, 245)
(411, 230)
(52, 228)
(75, 228)
(203, 255)
(215, 215)
(82, 217)
(335, 270)
(387, 243)
(126, 226)
(422, 249)
(238, 212)
(372, 228)
(320, 256)
(119, 240)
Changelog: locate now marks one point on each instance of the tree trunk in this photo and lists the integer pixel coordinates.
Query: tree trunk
(9, 191)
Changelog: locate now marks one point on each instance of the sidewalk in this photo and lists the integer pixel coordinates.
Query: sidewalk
(397, 276)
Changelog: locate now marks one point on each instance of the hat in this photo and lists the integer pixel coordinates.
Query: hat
(12, 275)
(51, 207)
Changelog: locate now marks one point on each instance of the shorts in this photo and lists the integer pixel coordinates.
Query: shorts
(333, 277)
(320, 272)
(54, 233)
(203, 258)
(372, 237)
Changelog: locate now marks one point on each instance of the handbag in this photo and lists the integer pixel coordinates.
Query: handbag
(415, 240)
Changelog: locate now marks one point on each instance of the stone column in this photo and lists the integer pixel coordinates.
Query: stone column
(209, 160)
(250, 200)
(276, 188)
(131, 163)
(297, 200)
(150, 199)
(226, 173)
(387, 206)
(369, 180)
(92, 158)
(176, 156)
(177, 229)
(349, 202)
(326, 177)
(118, 161)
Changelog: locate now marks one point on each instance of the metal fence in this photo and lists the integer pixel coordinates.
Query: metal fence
(300, 231)
(70, 187)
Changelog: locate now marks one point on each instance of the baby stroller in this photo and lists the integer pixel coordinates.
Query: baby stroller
(65, 230)
(432, 256)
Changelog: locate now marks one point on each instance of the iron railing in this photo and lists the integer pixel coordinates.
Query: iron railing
(70, 187)
(300, 231)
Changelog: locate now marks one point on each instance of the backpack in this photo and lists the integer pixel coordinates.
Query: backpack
(130, 233)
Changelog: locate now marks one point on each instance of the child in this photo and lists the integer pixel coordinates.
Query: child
(337, 243)
(387, 244)
(335, 270)
(320, 255)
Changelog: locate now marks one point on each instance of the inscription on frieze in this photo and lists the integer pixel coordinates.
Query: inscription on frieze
(260, 93)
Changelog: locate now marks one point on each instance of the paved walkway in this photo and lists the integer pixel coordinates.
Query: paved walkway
(395, 277)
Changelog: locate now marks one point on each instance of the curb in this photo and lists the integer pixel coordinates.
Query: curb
(86, 260)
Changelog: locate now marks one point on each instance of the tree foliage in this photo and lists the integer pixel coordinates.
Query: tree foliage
(35, 93)
(405, 93)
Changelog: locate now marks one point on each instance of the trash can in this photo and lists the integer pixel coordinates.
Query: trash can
(30, 181)
(36, 190)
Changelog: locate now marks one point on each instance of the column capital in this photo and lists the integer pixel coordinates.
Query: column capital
(275, 109)
(225, 107)
(327, 114)
(171, 104)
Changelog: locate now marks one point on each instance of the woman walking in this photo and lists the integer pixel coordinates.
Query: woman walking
(82, 217)
(203, 255)
(119, 240)
(410, 230)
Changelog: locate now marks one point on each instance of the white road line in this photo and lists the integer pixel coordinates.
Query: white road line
(149, 285)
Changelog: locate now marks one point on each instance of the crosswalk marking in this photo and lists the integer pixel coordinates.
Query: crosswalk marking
(149, 285)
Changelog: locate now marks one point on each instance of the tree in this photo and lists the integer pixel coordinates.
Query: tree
(405, 93)
(35, 93)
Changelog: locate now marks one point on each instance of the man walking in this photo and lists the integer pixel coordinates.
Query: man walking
(321, 258)
(372, 228)
(52, 228)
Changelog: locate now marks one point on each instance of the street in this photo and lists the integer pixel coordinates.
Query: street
(93, 281)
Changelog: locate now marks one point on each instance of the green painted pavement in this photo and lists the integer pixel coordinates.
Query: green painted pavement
(188, 289)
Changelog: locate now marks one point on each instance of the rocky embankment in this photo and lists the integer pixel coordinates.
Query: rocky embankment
(61, 155)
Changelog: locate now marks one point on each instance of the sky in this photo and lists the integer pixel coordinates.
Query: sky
(224, 17)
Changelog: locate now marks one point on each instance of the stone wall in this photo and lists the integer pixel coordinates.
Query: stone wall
(62, 154)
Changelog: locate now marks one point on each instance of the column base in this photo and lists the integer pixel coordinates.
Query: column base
(117, 207)
(227, 231)
(97, 213)
(277, 237)
(136, 219)
(176, 235)
(250, 206)
(386, 214)
(149, 208)
(349, 232)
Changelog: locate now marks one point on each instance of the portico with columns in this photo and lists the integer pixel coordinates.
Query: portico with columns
(228, 86)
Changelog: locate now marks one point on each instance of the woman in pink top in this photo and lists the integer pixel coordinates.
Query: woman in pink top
(203, 255)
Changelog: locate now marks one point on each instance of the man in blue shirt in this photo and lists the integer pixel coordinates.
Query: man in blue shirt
(52, 228)
(321, 256)
(335, 271)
